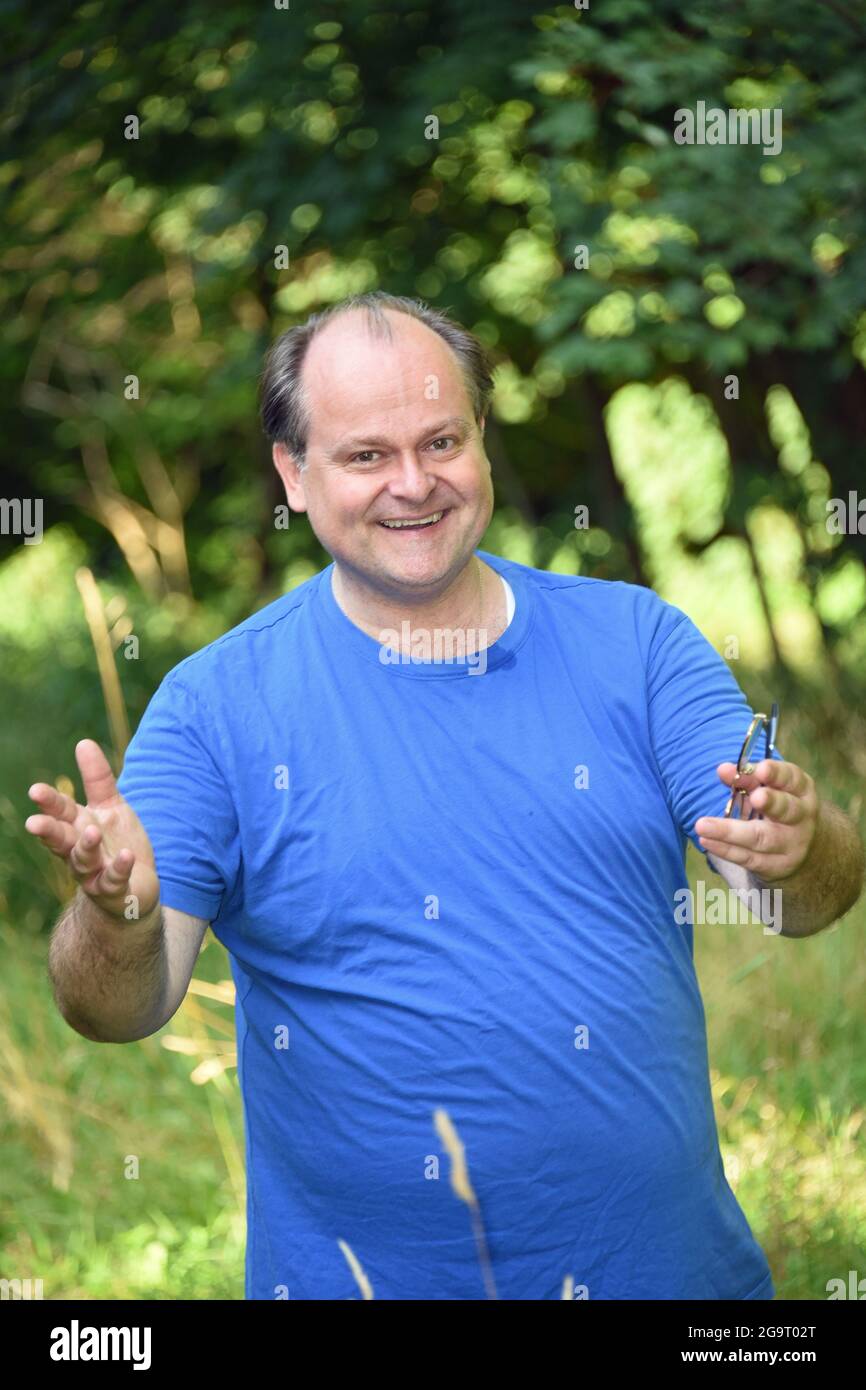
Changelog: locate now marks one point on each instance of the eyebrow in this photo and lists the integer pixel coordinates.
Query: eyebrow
(369, 441)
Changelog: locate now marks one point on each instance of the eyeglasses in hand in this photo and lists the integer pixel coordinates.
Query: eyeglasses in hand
(763, 728)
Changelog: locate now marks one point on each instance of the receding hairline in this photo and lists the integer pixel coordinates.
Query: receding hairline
(284, 399)
(377, 326)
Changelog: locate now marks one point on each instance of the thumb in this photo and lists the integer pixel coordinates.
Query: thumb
(100, 788)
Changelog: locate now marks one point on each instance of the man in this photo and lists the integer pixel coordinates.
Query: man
(437, 892)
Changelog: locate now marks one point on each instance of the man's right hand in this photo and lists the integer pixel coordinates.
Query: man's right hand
(104, 843)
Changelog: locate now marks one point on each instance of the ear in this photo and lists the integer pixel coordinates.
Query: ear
(292, 477)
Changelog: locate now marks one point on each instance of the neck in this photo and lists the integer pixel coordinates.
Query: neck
(473, 606)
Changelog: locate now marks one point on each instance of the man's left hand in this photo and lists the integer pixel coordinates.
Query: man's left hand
(777, 839)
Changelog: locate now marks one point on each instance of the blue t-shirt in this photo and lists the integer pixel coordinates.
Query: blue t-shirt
(442, 888)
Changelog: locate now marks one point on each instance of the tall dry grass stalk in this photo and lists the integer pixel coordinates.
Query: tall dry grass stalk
(464, 1190)
(34, 1093)
(360, 1277)
(217, 1056)
(112, 693)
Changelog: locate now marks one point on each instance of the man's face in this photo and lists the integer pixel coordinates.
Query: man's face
(379, 450)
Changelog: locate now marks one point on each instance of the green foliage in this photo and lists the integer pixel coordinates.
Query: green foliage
(261, 128)
(154, 258)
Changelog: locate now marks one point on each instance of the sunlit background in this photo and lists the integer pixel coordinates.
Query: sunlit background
(679, 334)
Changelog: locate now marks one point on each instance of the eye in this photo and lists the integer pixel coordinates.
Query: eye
(365, 456)
(444, 439)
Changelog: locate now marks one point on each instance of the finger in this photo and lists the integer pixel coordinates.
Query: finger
(115, 876)
(757, 836)
(53, 802)
(786, 776)
(86, 854)
(56, 835)
(734, 854)
(763, 863)
(100, 788)
(742, 781)
(783, 807)
(727, 772)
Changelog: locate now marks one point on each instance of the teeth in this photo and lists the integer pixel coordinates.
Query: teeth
(422, 521)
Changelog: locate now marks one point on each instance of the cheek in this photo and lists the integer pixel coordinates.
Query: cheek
(470, 484)
(340, 505)
(483, 493)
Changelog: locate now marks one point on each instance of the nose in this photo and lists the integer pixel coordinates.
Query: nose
(411, 480)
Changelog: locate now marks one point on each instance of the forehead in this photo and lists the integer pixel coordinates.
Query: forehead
(349, 370)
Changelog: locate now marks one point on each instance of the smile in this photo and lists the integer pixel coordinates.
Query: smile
(414, 524)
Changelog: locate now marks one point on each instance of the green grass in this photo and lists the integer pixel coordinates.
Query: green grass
(75, 1116)
(787, 1045)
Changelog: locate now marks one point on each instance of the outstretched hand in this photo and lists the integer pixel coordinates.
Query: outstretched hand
(775, 842)
(103, 841)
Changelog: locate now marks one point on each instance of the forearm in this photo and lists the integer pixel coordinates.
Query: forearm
(109, 975)
(829, 881)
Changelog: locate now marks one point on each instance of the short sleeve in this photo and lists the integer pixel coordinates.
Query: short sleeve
(698, 718)
(172, 779)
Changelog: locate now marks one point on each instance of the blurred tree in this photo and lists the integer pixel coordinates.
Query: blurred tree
(156, 258)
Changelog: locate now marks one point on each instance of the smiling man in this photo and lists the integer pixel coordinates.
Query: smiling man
(400, 493)
(438, 893)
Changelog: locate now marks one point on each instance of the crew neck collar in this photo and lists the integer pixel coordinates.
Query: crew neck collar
(367, 648)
